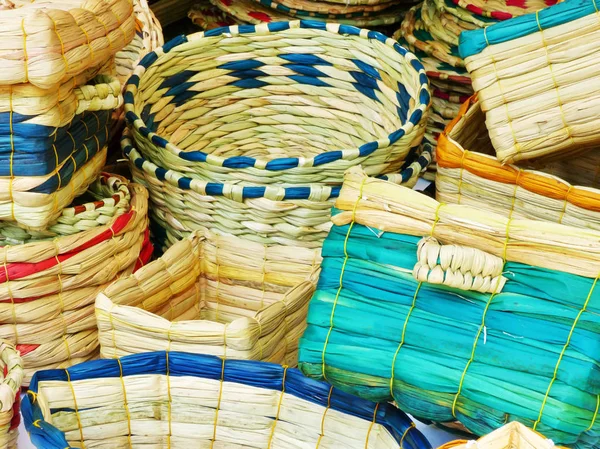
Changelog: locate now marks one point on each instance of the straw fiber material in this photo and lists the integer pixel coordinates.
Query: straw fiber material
(295, 102)
(272, 214)
(216, 295)
(503, 9)
(48, 286)
(35, 202)
(537, 81)
(469, 173)
(207, 16)
(109, 196)
(45, 42)
(266, 11)
(390, 322)
(185, 401)
(513, 435)
(148, 37)
(168, 12)
(11, 376)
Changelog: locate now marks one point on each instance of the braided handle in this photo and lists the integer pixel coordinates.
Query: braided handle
(102, 94)
(458, 266)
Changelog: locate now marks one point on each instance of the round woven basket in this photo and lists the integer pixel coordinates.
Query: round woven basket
(11, 377)
(216, 295)
(181, 400)
(207, 16)
(276, 214)
(503, 9)
(46, 43)
(148, 37)
(321, 99)
(48, 285)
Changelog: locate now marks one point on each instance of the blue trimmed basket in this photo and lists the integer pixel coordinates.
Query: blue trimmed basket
(537, 80)
(75, 159)
(268, 214)
(182, 400)
(287, 102)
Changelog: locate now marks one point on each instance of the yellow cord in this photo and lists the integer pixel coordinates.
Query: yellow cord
(285, 368)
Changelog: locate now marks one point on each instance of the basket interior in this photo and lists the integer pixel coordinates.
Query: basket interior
(582, 170)
(221, 283)
(293, 93)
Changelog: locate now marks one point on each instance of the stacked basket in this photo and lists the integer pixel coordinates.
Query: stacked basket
(254, 143)
(432, 30)
(50, 278)
(360, 13)
(55, 101)
(65, 229)
(11, 377)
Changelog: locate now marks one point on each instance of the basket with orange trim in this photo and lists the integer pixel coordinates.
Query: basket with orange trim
(49, 279)
(468, 172)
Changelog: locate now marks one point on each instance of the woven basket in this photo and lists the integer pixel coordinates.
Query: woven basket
(511, 436)
(455, 312)
(46, 42)
(266, 11)
(295, 216)
(11, 376)
(469, 173)
(48, 286)
(212, 295)
(181, 400)
(294, 117)
(148, 37)
(35, 202)
(537, 83)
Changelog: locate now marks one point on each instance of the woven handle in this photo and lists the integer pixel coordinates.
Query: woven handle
(103, 94)
(458, 266)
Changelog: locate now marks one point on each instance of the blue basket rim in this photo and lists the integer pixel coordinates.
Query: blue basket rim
(422, 97)
(265, 375)
(257, 191)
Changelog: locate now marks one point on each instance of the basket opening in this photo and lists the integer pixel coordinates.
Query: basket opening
(296, 93)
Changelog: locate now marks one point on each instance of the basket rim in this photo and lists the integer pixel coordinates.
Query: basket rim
(588, 198)
(238, 162)
(264, 375)
(475, 41)
(277, 193)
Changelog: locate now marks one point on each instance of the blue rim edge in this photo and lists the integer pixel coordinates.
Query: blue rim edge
(366, 149)
(253, 373)
(291, 193)
(475, 41)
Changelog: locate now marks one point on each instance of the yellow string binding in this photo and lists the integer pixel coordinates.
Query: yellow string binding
(76, 409)
(373, 421)
(322, 434)
(214, 437)
(481, 326)
(285, 368)
(412, 308)
(341, 284)
(125, 403)
(562, 353)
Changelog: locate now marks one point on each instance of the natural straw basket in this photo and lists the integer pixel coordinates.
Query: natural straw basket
(45, 42)
(48, 286)
(207, 16)
(228, 110)
(458, 313)
(513, 435)
(272, 214)
(181, 400)
(109, 196)
(212, 295)
(537, 81)
(11, 376)
(503, 9)
(469, 173)
(148, 37)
